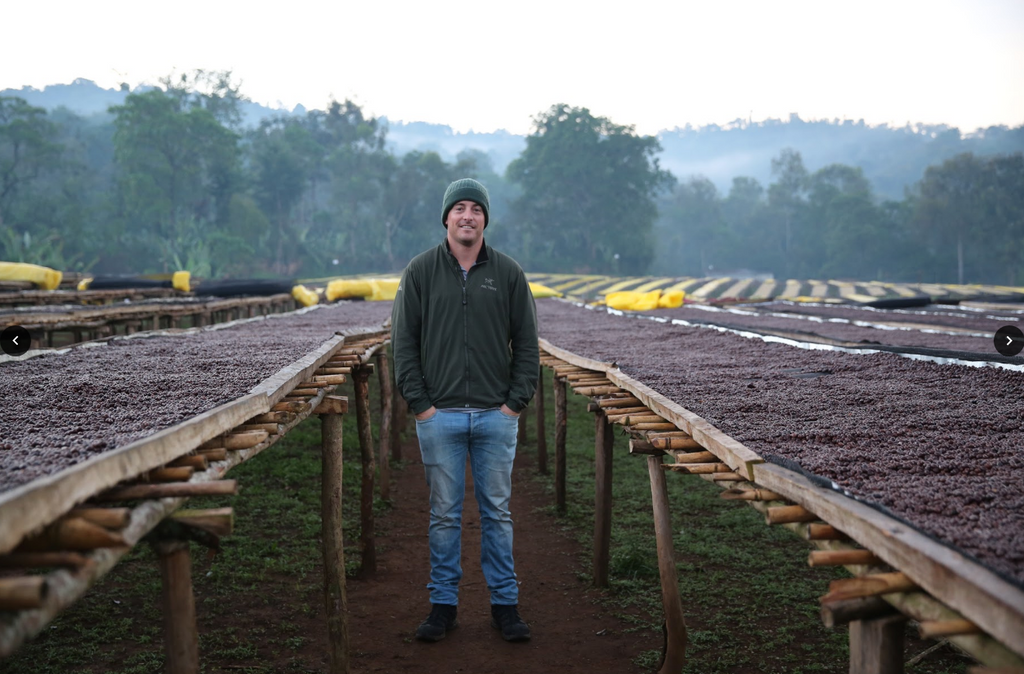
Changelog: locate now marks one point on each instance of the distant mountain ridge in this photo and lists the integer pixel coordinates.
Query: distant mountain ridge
(891, 158)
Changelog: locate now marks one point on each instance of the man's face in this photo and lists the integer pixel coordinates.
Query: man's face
(465, 223)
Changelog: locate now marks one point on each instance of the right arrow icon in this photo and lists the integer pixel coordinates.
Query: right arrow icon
(1009, 340)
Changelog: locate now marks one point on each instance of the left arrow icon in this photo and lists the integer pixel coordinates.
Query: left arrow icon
(15, 340)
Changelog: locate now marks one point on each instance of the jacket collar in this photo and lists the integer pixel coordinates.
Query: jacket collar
(482, 256)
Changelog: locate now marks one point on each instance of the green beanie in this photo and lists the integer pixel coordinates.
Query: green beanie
(464, 189)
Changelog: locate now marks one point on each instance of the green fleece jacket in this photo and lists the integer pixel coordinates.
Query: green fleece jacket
(465, 343)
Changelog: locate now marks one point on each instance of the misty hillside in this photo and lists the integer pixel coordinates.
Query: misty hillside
(892, 158)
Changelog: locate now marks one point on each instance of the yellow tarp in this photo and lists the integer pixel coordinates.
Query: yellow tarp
(305, 296)
(348, 288)
(369, 289)
(671, 299)
(540, 291)
(630, 300)
(44, 277)
(384, 288)
(180, 281)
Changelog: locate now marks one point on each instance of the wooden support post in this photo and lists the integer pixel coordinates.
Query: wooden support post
(521, 436)
(845, 611)
(825, 532)
(384, 454)
(560, 422)
(20, 593)
(604, 437)
(868, 586)
(542, 438)
(71, 533)
(335, 601)
(673, 655)
(218, 522)
(842, 557)
(876, 646)
(399, 410)
(181, 638)
(362, 386)
(28, 560)
(937, 629)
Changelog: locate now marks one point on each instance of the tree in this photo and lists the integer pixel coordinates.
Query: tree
(787, 207)
(412, 203)
(950, 216)
(846, 237)
(588, 193)
(28, 149)
(744, 216)
(178, 167)
(286, 162)
(691, 235)
(212, 90)
(1004, 208)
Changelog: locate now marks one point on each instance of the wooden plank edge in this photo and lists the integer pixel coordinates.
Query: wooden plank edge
(916, 605)
(1005, 626)
(964, 585)
(573, 359)
(982, 647)
(739, 457)
(278, 385)
(30, 507)
(66, 587)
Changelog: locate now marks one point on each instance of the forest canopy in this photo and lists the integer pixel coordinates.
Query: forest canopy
(170, 180)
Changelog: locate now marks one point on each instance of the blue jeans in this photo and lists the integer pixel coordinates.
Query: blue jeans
(489, 439)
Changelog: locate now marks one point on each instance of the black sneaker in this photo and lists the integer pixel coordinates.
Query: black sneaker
(441, 619)
(506, 618)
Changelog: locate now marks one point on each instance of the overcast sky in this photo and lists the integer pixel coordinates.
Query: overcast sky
(495, 65)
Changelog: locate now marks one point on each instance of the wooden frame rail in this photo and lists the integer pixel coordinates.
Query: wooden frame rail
(28, 298)
(942, 584)
(204, 449)
(88, 324)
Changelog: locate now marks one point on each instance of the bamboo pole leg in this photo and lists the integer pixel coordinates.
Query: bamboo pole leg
(521, 436)
(876, 646)
(542, 439)
(398, 413)
(560, 428)
(181, 638)
(335, 600)
(362, 389)
(384, 453)
(603, 498)
(674, 653)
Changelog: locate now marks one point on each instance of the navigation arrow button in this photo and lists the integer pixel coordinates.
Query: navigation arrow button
(15, 340)
(1014, 340)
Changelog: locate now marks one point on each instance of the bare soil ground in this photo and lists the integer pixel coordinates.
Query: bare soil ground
(570, 632)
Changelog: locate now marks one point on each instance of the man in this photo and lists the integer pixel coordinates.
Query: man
(464, 334)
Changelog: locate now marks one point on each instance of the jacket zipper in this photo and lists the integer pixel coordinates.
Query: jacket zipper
(465, 331)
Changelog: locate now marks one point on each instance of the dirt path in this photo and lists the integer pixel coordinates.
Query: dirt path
(570, 632)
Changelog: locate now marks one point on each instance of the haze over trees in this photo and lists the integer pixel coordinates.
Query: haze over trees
(171, 178)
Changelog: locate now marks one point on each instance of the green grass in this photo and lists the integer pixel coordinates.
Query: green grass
(116, 627)
(749, 598)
